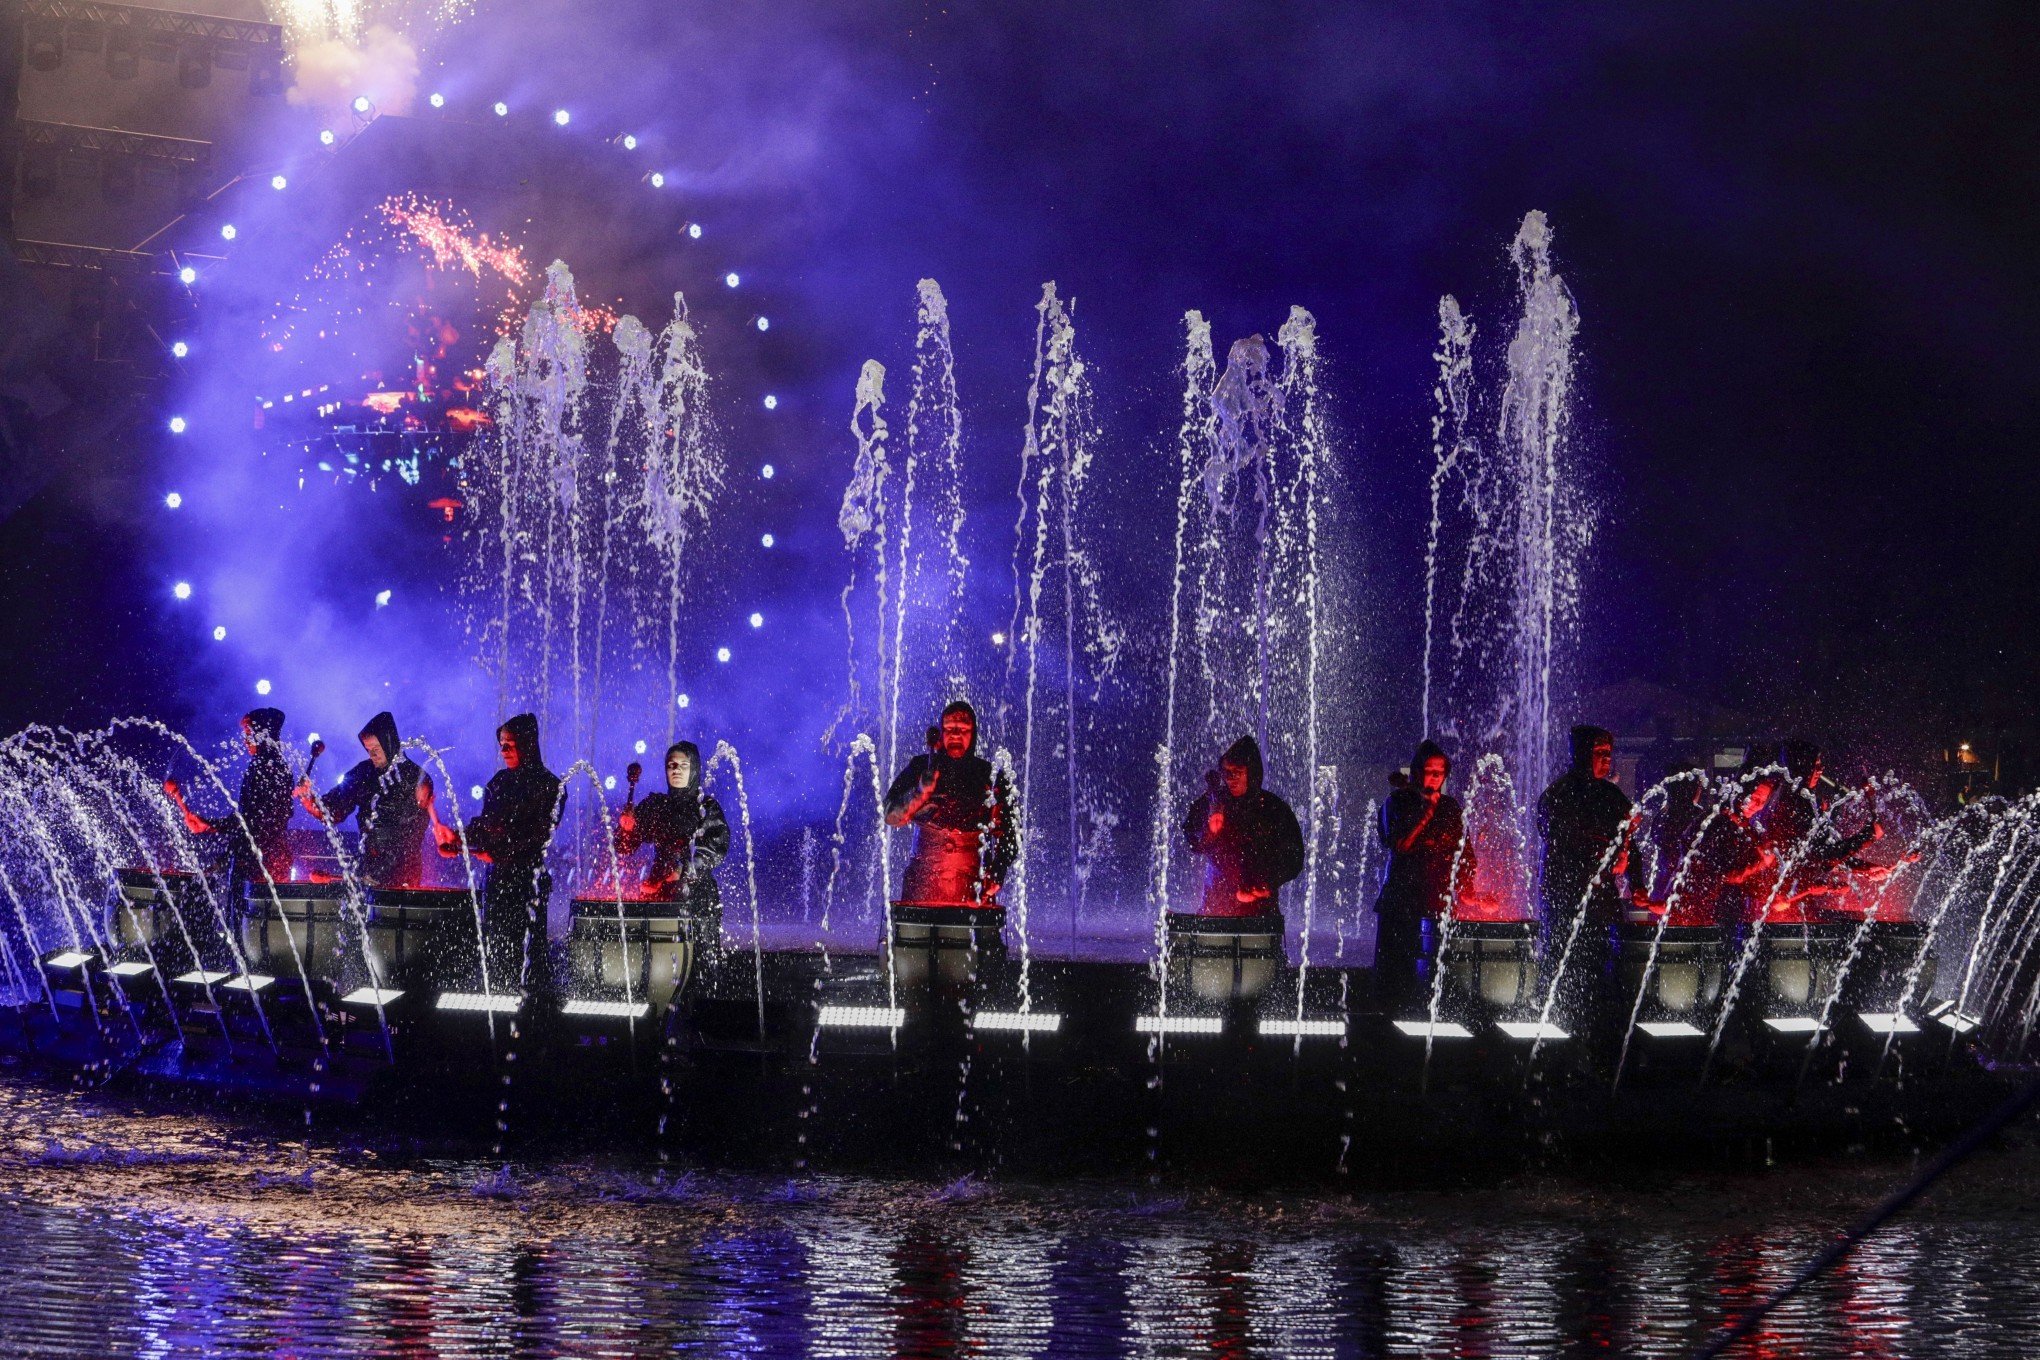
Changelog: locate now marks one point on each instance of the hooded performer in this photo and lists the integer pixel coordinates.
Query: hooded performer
(1582, 816)
(1422, 828)
(520, 808)
(686, 830)
(260, 854)
(387, 794)
(1248, 837)
(961, 809)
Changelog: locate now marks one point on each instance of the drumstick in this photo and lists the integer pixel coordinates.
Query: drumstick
(632, 772)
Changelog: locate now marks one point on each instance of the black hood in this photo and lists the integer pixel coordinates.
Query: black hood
(1428, 750)
(523, 730)
(686, 746)
(1584, 740)
(1246, 751)
(963, 706)
(264, 724)
(383, 728)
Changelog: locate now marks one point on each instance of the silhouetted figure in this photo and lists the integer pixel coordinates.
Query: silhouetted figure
(1727, 878)
(1248, 837)
(257, 842)
(1581, 817)
(387, 794)
(520, 808)
(1422, 828)
(1799, 825)
(961, 809)
(686, 830)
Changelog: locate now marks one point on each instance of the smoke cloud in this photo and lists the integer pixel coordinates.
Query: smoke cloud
(331, 71)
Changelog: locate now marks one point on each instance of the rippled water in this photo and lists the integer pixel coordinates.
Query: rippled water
(134, 1233)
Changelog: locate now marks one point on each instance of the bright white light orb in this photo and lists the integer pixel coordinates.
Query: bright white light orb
(757, 620)
(174, 499)
(262, 687)
(475, 791)
(179, 349)
(609, 782)
(657, 180)
(502, 109)
(767, 540)
(771, 402)
(187, 275)
(639, 748)
(730, 280)
(998, 639)
(182, 590)
(361, 104)
(278, 183)
(682, 700)
(629, 142)
(219, 634)
(722, 654)
(561, 117)
(438, 100)
(694, 231)
(177, 425)
(764, 323)
(228, 232)
(326, 137)
(768, 472)
(382, 598)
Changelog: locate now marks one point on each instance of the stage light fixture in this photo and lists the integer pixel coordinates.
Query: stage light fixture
(45, 46)
(502, 109)
(382, 599)
(1289, 1028)
(480, 1001)
(1178, 1024)
(123, 56)
(998, 639)
(201, 977)
(1531, 1029)
(766, 540)
(173, 500)
(639, 747)
(1958, 1022)
(194, 68)
(177, 425)
(682, 700)
(1024, 1022)
(248, 982)
(65, 960)
(730, 280)
(371, 996)
(131, 969)
(182, 590)
(1888, 1022)
(764, 323)
(1427, 1029)
(362, 104)
(438, 100)
(475, 792)
(771, 402)
(1671, 1029)
(608, 1010)
(262, 687)
(219, 633)
(722, 654)
(228, 231)
(861, 1017)
(629, 142)
(694, 231)
(656, 179)
(757, 620)
(179, 349)
(278, 183)
(326, 137)
(561, 118)
(609, 781)
(1792, 1024)
(768, 472)
(187, 275)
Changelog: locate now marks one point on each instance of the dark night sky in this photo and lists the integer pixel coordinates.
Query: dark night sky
(1807, 381)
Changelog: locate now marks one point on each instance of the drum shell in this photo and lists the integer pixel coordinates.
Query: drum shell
(1221, 960)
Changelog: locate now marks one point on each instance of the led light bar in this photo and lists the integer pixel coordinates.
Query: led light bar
(70, 958)
(1888, 1022)
(1292, 1028)
(131, 969)
(1425, 1029)
(1029, 1022)
(498, 1002)
(1531, 1029)
(1958, 1022)
(371, 996)
(1671, 1029)
(1792, 1024)
(200, 977)
(248, 982)
(861, 1017)
(609, 1010)
(1178, 1024)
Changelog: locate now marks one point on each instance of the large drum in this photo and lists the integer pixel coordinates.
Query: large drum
(421, 939)
(297, 924)
(166, 915)
(1800, 962)
(943, 945)
(1224, 959)
(1685, 981)
(1492, 962)
(644, 951)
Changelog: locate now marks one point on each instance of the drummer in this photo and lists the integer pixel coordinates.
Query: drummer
(1247, 835)
(687, 832)
(257, 832)
(388, 794)
(961, 809)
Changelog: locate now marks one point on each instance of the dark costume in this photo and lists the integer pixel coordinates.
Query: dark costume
(262, 853)
(520, 808)
(688, 836)
(1421, 875)
(392, 824)
(965, 837)
(1797, 825)
(1728, 850)
(1579, 817)
(1259, 846)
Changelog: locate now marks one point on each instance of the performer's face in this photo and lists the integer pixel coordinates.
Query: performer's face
(376, 755)
(248, 738)
(507, 745)
(1601, 761)
(1235, 778)
(1757, 799)
(1431, 779)
(679, 770)
(958, 731)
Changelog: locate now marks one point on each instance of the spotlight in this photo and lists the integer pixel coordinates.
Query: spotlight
(502, 109)
(608, 1010)
(262, 687)
(998, 639)
(1792, 1024)
(279, 183)
(1025, 1022)
(177, 425)
(362, 104)
(475, 792)
(1891, 1022)
(123, 56)
(1302, 1029)
(200, 977)
(722, 654)
(757, 620)
(560, 117)
(313, 737)
(174, 500)
(629, 142)
(682, 700)
(194, 68)
(764, 323)
(65, 960)
(370, 996)
(766, 540)
(656, 179)
(771, 402)
(228, 232)
(438, 100)
(730, 280)
(131, 969)
(1425, 1029)
(767, 472)
(861, 1017)
(182, 590)
(187, 275)
(480, 1001)
(694, 231)
(382, 599)
(639, 748)
(326, 137)
(1178, 1024)
(219, 634)
(179, 349)
(249, 982)
(1531, 1029)
(609, 782)
(1671, 1029)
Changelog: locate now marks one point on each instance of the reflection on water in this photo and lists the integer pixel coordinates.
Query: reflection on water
(153, 1234)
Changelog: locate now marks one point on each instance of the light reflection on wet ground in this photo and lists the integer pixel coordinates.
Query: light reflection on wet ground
(131, 1233)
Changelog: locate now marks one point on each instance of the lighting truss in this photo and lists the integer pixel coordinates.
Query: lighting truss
(497, 1002)
(1275, 1027)
(1178, 1024)
(1029, 1022)
(609, 1010)
(861, 1017)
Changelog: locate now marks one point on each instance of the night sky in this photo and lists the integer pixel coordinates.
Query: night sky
(1807, 374)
